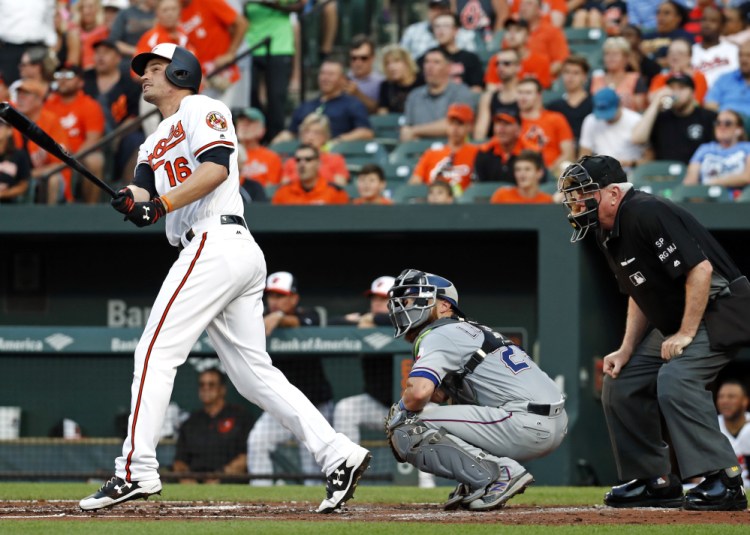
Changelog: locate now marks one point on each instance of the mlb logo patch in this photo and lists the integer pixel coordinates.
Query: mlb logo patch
(637, 278)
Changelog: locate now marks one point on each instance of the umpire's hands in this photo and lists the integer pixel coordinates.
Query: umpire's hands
(614, 362)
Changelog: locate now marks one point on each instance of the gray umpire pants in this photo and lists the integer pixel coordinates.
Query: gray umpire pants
(648, 387)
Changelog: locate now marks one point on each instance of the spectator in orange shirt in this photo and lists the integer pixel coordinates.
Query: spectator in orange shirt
(315, 130)
(30, 101)
(544, 37)
(371, 185)
(86, 29)
(529, 172)
(257, 163)
(532, 64)
(167, 28)
(679, 56)
(542, 130)
(553, 11)
(83, 120)
(216, 31)
(454, 163)
(311, 188)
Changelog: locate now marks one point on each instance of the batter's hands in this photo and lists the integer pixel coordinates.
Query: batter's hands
(147, 213)
(123, 201)
(614, 362)
(673, 345)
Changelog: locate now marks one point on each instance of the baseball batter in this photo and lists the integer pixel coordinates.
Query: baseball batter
(504, 408)
(187, 173)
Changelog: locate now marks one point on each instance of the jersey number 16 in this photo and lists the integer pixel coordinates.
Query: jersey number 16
(178, 171)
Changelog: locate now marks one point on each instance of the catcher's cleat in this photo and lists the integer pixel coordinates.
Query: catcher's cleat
(499, 492)
(340, 484)
(117, 490)
(718, 492)
(654, 492)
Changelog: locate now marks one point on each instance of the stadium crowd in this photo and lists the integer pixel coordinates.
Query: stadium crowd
(460, 96)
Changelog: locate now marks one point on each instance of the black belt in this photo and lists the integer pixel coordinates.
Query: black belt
(545, 409)
(225, 220)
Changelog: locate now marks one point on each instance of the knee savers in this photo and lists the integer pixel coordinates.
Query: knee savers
(437, 453)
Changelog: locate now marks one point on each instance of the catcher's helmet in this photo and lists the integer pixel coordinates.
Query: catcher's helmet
(414, 294)
(184, 69)
(580, 182)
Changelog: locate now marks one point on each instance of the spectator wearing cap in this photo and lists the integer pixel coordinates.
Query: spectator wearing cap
(426, 106)
(464, 65)
(131, 23)
(609, 129)
(418, 38)
(726, 161)
(454, 162)
(371, 185)
(24, 24)
(544, 37)
(167, 28)
(216, 31)
(679, 62)
(82, 118)
(283, 311)
(37, 63)
(111, 9)
(674, 125)
(118, 96)
(732, 90)
(15, 166)
(501, 97)
(576, 103)
(259, 166)
(494, 160)
(528, 172)
(363, 81)
(531, 63)
(542, 130)
(311, 188)
(86, 28)
(30, 102)
(348, 117)
(712, 56)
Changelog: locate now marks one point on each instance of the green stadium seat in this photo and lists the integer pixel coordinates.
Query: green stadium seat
(397, 172)
(387, 125)
(745, 195)
(663, 188)
(409, 152)
(285, 149)
(585, 36)
(549, 187)
(658, 171)
(410, 193)
(480, 192)
(701, 193)
(359, 153)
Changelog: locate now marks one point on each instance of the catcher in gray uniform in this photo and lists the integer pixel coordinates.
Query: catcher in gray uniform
(503, 408)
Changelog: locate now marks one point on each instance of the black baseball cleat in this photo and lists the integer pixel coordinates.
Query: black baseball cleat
(117, 490)
(718, 492)
(340, 484)
(654, 492)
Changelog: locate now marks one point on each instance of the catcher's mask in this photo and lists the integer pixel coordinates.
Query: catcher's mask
(412, 297)
(580, 184)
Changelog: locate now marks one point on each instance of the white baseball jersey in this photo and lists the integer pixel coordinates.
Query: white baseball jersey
(200, 124)
(740, 445)
(715, 61)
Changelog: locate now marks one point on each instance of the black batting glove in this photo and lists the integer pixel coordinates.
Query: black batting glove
(144, 214)
(123, 201)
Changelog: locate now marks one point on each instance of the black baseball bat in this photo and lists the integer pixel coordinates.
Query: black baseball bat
(33, 133)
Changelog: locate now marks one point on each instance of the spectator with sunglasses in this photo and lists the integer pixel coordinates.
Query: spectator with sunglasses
(311, 188)
(726, 161)
(363, 81)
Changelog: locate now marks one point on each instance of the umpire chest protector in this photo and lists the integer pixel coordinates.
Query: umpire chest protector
(459, 390)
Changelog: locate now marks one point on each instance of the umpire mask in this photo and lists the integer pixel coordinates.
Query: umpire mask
(580, 184)
(413, 296)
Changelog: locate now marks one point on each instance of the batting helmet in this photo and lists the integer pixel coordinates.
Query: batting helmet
(414, 294)
(183, 70)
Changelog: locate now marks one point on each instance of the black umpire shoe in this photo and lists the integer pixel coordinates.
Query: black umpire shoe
(117, 490)
(340, 484)
(654, 492)
(718, 492)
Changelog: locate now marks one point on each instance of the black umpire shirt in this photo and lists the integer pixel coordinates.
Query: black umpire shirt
(208, 444)
(651, 248)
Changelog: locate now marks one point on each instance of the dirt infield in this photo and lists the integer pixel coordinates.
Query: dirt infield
(304, 511)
